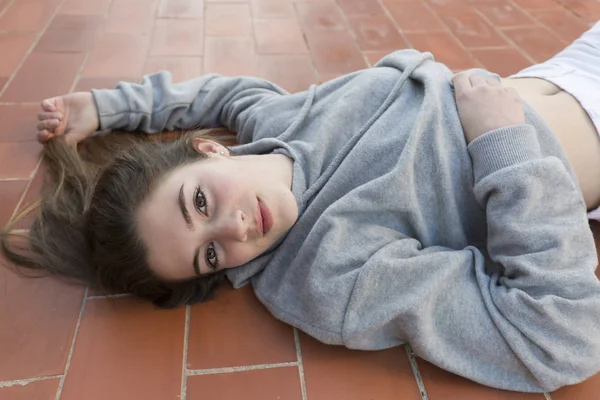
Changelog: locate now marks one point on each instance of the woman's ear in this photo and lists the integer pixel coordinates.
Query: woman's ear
(209, 147)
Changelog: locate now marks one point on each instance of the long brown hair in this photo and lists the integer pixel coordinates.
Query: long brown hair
(86, 228)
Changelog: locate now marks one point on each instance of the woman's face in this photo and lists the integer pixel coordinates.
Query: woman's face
(217, 213)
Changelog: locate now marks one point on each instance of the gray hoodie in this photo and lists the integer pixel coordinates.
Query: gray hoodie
(480, 256)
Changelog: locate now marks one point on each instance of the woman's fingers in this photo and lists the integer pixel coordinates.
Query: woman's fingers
(43, 136)
(50, 115)
(48, 105)
(461, 82)
(477, 80)
(48, 124)
(493, 82)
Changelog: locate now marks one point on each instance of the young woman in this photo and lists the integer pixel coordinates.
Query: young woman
(383, 207)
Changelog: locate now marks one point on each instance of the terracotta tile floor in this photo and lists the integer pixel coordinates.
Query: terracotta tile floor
(63, 342)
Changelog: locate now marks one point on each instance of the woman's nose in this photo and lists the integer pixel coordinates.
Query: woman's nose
(234, 226)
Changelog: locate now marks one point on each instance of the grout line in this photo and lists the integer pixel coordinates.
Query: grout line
(70, 356)
(415, 368)
(505, 37)
(13, 179)
(304, 37)
(453, 35)
(25, 103)
(152, 34)
(186, 337)
(353, 35)
(391, 18)
(547, 396)
(6, 8)
(109, 296)
(22, 198)
(27, 381)
(300, 364)
(214, 371)
(100, 31)
(31, 48)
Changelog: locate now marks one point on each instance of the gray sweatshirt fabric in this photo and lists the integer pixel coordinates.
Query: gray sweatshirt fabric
(480, 256)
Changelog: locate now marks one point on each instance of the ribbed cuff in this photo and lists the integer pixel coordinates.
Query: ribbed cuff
(113, 110)
(502, 148)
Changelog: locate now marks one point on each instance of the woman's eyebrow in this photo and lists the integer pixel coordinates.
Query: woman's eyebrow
(184, 211)
(197, 262)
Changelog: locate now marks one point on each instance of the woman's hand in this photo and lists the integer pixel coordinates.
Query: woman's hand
(73, 116)
(485, 105)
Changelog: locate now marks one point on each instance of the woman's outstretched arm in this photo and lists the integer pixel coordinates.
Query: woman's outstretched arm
(157, 104)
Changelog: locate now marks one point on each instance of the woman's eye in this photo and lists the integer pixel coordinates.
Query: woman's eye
(200, 201)
(212, 260)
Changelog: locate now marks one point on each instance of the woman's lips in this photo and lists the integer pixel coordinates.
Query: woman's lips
(266, 218)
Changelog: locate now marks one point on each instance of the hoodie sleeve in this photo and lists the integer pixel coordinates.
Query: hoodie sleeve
(522, 314)
(209, 101)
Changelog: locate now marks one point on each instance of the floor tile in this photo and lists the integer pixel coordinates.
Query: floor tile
(182, 68)
(236, 330)
(441, 384)
(334, 52)
(41, 390)
(126, 349)
(537, 42)
(320, 16)
(14, 47)
(117, 54)
(444, 47)
(374, 56)
(360, 7)
(585, 9)
(181, 9)
(85, 7)
(3, 81)
(294, 73)
(28, 15)
(275, 383)
(76, 22)
(10, 194)
(39, 317)
(356, 375)
(230, 56)
(587, 390)
(415, 17)
(87, 84)
(279, 36)
(228, 19)
(562, 23)
(36, 80)
(18, 123)
(131, 16)
(472, 30)
(70, 33)
(19, 159)
(504, 14)
(376, 33)
(262, 9)
(178, 37)
(504, 62)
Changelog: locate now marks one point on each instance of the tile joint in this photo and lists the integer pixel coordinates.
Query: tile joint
(214, 371)
(300, 364)
(27, 381)
(415, 368)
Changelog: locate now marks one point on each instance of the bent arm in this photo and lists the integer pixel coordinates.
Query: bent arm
(523, 314)
(208, 101)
